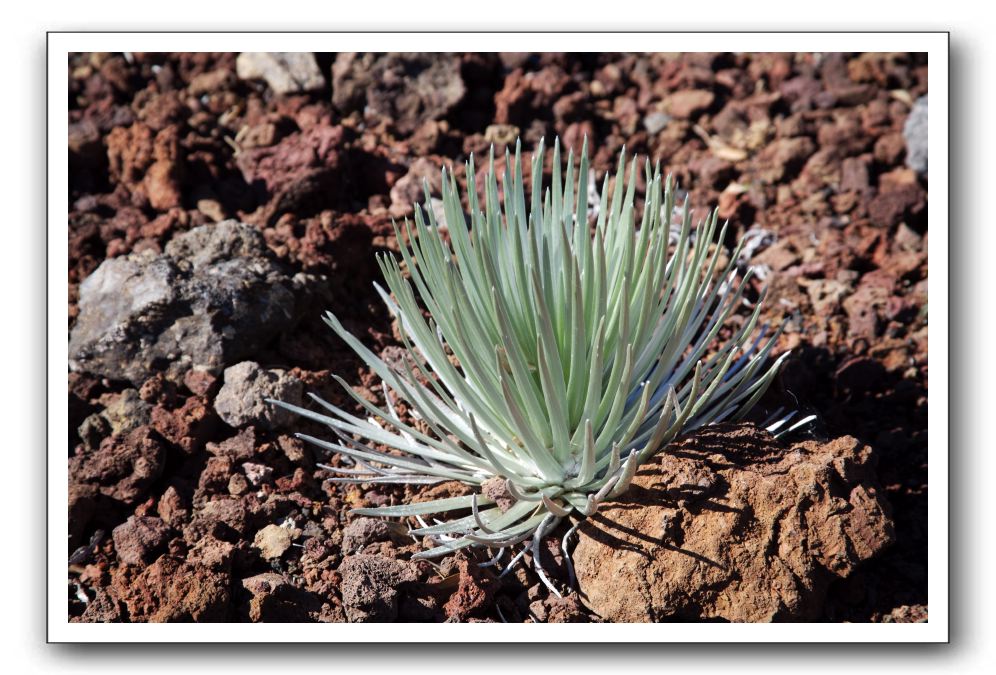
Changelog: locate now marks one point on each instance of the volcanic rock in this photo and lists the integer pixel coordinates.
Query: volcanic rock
(123, 467)
(139, 539)
(241, 399)
(285, 72)
(216, 295)
(728, 524)
(370, 586)
(915, 133)
(409, 89)
(171, 590)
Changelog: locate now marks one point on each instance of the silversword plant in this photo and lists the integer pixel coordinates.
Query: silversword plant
(564, 346)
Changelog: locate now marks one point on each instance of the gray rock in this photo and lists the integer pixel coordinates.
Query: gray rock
(915, 133)
(438, 211)
(655, 121)
(223, 518)
(238, 448)
(215, 296)
(275, 599)
(242, 399)
(370, 586)
(285, 72)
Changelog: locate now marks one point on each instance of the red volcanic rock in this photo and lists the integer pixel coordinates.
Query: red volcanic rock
(172, 590)
(728, 524)
(123, 467)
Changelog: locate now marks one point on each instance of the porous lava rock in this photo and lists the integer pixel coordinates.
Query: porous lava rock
(730, 525)
(123, 467)
(364, 531)
(172, 590)
(276, 599)
(139, 539)
(370, 585)
(148, 163)
(302, 173)
(475, 590)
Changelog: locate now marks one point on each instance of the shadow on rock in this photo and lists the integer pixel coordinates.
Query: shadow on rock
(730, 525)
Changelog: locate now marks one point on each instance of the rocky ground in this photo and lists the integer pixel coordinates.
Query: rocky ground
(221, 202)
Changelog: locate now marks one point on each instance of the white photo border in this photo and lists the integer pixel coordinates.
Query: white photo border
(935, 44)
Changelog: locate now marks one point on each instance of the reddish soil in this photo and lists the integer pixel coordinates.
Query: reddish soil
(167, 519)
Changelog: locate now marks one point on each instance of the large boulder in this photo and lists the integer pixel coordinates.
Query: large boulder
(728, 524)
(215, 296)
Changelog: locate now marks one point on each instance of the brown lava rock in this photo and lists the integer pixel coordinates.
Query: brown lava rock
(102, 609)
(173, 590)
(370, 586)
(496, 489)
(123, 467)
(139, 539)
(729, 525)
(475, 591)
(147, 164)
(363, 531)
(275, 599)
(188, 426)
(409, 89)
(301, 172)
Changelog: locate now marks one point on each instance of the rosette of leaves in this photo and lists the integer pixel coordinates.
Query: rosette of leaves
(552, 348)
